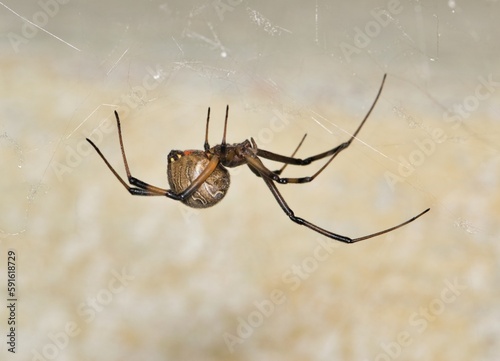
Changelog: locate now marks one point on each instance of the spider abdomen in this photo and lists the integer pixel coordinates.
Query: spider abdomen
(184, 167)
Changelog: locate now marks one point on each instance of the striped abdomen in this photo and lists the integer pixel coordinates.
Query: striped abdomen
(184, 167)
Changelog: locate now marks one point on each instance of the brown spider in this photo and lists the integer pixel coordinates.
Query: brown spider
(199, 178)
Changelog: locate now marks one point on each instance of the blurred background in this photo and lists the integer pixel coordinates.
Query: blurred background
(102, 275)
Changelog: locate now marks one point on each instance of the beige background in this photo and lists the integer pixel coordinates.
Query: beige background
(429, 291)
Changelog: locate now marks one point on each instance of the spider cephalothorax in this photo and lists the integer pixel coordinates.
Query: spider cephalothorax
(199, 178)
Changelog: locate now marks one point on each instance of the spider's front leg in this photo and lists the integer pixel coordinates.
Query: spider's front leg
(332, 153)
(296, 161)
(257, 166)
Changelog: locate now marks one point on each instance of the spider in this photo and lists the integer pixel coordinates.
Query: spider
(199, 178)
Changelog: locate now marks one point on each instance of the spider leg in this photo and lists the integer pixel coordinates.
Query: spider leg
(141, 188)
(206, 145)
(258, 166)
(275, 176)
(279, 171)
(332, 152)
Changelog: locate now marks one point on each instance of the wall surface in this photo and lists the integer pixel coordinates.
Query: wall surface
(102, 275)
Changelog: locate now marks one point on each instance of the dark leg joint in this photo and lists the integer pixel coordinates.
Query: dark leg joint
(297, 220)
(138, 192)
(293, 180)
(138, 183)
(305, 179)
